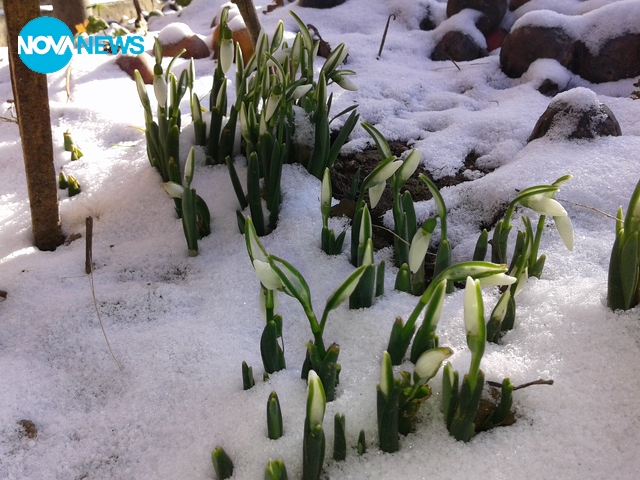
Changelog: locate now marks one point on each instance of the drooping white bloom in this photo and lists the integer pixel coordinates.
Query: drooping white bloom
(345, 83)
(174, 189)
(544, 205)
(473, 308)
(429, 363)
(497, 279)
(565, 229)
(227, 51)
(379, 181)
(420, 244)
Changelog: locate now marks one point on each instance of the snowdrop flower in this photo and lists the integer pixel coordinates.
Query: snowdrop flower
(267, 275)
(325, 197)
(272, 104)
(344, 82)
(316, 400)
(160, 90)
(174, 189)
(420, 244)
(226, 53)
(386, 375)
(379, 179)
(301, 91)
(497, 279)
(544, 205)
(565, 229)
(409, 166)
(429, 363)
(472, 308)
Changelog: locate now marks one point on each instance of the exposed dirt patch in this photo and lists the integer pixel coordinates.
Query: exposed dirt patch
(346, 168)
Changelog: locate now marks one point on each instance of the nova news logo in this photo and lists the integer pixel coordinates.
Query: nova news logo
(46, 45)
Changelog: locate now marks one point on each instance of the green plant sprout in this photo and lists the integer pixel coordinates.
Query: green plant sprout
(313, 448)
(70, 146)
(222, 463)
(274, 417)
(275, 470)
(402, 333)
(73, 186)
(539, 199)
(362, 443)
(331, 245)
(276, 273)
(525, 261)
(273, 81)
(623, 290)
(163, 135)
(196, 218)
(460, 406)
(247, 376)
(399, 399)
(411, 275)
(271, 351)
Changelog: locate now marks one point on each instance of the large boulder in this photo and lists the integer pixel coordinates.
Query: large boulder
(601, 45)
(526, 44)
(493, 12)
(576, 114)
(177, 36)
(616, 59)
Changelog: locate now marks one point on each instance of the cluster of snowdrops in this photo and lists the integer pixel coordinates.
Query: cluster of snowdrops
(275, 90)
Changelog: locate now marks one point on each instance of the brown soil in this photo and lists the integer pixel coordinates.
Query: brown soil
(346, 167)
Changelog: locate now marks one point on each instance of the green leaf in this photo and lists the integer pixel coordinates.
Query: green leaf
(344, 290)
(294, 282)
(629, 270)
(378, 138)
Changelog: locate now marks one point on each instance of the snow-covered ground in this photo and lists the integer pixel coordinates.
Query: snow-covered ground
(182, 326)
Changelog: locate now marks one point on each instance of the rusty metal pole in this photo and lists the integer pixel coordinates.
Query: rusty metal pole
(31, 96)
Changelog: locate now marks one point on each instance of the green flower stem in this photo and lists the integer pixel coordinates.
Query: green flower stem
(388, 406)
(339, 439)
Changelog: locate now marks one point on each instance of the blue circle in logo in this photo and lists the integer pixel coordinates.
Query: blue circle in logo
(45, 45)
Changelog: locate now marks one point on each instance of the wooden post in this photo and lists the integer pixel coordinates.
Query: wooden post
(31, 96)
(250, 17)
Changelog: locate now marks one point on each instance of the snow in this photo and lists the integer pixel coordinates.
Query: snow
(182, 326)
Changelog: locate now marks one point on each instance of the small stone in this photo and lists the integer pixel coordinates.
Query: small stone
(457, 46)
(576, 114)
(30, 430)
(143, 63)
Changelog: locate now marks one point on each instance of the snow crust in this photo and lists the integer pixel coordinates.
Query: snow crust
(182, 326)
